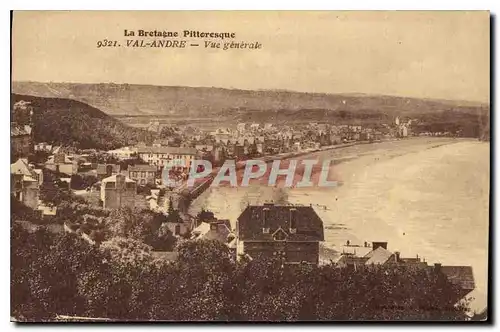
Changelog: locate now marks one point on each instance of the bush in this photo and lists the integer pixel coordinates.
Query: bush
(62, 274)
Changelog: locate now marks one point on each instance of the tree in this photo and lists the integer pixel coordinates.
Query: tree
(140, 225)
(62, 274)
(79, 182)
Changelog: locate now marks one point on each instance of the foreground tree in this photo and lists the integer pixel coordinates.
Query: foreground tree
(62, 274)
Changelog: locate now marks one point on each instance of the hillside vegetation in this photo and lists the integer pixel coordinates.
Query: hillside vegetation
(69, 122)
(200, 105)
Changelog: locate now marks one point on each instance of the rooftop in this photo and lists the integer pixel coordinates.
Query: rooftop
(112, 178)
(460, 275)
(309, 226)
(167, 150)
(142, 168)
(378, 256)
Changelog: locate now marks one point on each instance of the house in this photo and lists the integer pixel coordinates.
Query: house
(142, 174)
(47, 211)
(24, 183)
(45, 147)
(62, 163)
(21, 140)
(123, 153)
(107, 170)
(161, 142)
(461, 276)
(219, 230)
(287, 232)
(254, 126)
(160, 156)
(204, 147)
(238, 151)
(177, 228)
(241, 127)
(118, 191)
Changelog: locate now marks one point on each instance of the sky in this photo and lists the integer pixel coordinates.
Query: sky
(443, 55)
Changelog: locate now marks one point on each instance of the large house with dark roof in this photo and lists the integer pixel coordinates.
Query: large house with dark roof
(287, 232)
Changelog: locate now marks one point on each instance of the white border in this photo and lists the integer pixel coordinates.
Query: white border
(191, 5)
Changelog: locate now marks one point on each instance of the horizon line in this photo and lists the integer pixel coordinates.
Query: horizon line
(359, 94)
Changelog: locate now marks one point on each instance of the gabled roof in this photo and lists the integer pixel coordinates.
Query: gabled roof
(460, 275)
(112, 178)
(378, 256)
(202, 229)
(280, 234)
(309, 225)
(352, 260)
(20, 167)
(220, 234)
(359, 251)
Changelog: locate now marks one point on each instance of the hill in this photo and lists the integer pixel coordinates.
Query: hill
(138, 104)
(69, 122)
(132, 99)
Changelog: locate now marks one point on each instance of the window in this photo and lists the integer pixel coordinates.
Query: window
(265, 216)
(177, 230)
(293, 221)
(279, 235)
(143, 174)
(265, 221)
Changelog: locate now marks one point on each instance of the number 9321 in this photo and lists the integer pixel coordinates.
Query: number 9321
(107, 43)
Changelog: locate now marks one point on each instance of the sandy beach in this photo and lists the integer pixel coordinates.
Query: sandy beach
(425, 196)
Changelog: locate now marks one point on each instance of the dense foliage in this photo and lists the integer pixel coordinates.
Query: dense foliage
(62, 274)
(69, 122)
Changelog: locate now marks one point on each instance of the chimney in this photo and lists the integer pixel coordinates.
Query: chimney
(265, 216)
(120, 181)
(437, 267)
(293, 220)
(397, 255)
(375, 245)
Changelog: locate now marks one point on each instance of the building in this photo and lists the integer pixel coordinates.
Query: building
(62, 163)
(204, 147)
(142, 174)
(254, 126)
(20, 138)
(123, 153)
(118, 191)
(161, 156)
(106, 170)
(44, 147)
(377, 254)
(241, 127)
(21, 128)
(286, 232)
(177, 228)
(24, 183)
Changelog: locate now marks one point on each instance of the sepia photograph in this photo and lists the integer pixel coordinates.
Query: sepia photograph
(250, 166)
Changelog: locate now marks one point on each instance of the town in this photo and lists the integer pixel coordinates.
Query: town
(99, 196)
